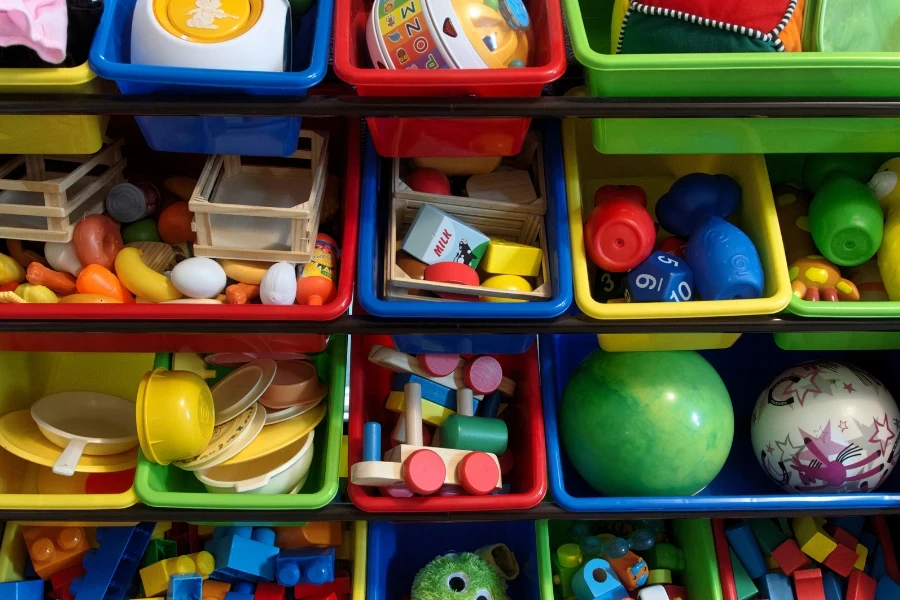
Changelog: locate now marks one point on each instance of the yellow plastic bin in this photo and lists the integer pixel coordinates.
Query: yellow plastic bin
(51, 134)
(26, 377)
(587, 170)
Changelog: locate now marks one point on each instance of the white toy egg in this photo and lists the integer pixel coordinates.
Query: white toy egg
(199, 277)
(279, 284)
(61, 256)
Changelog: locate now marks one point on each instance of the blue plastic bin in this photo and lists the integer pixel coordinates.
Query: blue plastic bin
(373, 223)
(397, 551)
(249, 136)
(746, 368)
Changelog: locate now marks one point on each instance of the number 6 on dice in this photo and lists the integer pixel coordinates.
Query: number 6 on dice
(660, 278)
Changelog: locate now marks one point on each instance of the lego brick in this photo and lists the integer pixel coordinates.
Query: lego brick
(841, 536)
(112, 566)
(53, 549)
(860, 587)
(665, 556)
(887, 589)
(768, 535)
(813, 541)
(185, 587)
(160, 532)
(269, 591)
(22, 590)
(186, 538)
(340, 587)
(878, 570)
(862, 554)
(776, 586)
(311, 535)
(833, 585)
(852, 525)
(743, 584)
(215, 590)
(61, 580)
(742, 542)
(155, 578)
(564, 563)
(808, 584)
(841, 560)
(243, 590)
(243, 554)
(305, 565)
(158, 549)
(205, 532)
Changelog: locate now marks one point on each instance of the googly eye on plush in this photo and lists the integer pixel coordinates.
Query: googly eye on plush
(458, 582)
(483, 595)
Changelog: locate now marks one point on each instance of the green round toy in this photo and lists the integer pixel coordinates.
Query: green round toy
(140, 231)
(646, 423)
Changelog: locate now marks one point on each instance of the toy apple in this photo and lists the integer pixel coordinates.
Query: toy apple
(428, 181)
(619, 233)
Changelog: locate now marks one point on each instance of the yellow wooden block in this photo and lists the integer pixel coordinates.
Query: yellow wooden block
(215, 590)
(814, 542)
(509, 258)
(820, 522)
(771, 564)
(431, 413)
(862, 553)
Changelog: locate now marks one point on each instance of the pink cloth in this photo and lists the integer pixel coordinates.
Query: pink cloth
(39, 24)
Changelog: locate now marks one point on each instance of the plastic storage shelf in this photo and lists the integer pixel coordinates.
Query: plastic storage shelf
(448, 137)
(369, 388)
(742, 485)
(373, 224)
(169, 486)
(263, 136)
(398, 550)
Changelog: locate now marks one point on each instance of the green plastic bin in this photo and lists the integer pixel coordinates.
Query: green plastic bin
(168, 486)
(804, 74)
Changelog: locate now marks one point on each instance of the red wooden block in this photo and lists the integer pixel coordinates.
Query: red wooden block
(841, 536)
(438, 364)
(60, 581)
(478, 473)
(860, 587)
(841, 560)
(269, 591)
(507, 461)
(424, 472)
(789, 557)
(483, 374)
(808, 584)
(340, 586)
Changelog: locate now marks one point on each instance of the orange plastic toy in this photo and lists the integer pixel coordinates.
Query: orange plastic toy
(95, 279)
(315, 284)
(97, 241)
(241, 293)
(87, 299)
(311, 535)
(61, 283)
(23, 255)
(174, 224)
(53, 549)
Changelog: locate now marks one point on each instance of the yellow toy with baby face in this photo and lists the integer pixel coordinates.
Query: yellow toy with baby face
(886, 187)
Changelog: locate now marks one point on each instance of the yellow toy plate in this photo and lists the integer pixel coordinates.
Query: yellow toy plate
(275, 437)
(207, 21)
(19, 435)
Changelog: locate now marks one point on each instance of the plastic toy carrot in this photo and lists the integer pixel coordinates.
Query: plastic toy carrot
(61, 283)
(95, 279)
(241, 293)
(24, 256)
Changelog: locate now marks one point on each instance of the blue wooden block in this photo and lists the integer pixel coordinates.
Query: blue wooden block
(887, 589)
(243, 554)
(878, 570)
(305, 565)
(776, 586)
(868, 540)
(852, 525)
(22, 590)
(185, 587)
(742, 541)
(431, 391)
(834, 586)
(596, 580)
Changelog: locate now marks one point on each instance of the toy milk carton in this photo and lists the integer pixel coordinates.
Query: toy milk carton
(436, 237)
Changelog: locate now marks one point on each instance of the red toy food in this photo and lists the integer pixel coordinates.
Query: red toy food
(451, 272)
(619, 233)
(97, 241)
(428, 181)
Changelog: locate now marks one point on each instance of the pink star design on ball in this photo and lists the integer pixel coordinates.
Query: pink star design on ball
(806, 385)
(883, 434)
(770, 448)
(843, 426)
(849, 388)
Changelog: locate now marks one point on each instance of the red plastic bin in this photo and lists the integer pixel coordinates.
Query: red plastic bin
(726, 573)
(438, 137)
(369, 387)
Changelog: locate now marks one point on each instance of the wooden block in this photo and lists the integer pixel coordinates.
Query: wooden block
(438, 365)
(789, 557)
(451, 459)
(483, 374)
(776, 586)
(841, 560)
(860, 587)
(814, 542)
(743, 584)
(431, 391)
(808, 584)
(504, 186)
(424, 471)
(742, 542)
(841, 536)
(432, 413)
(833, 585)
(509, 258)
(412, 413)
(862, 553)
(376, 473)
(767, 534)
(887, 589)
(399, 362)
(852, 525)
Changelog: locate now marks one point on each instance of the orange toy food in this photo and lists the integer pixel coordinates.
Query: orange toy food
(61, 283)
(174, 224)
(241, 293)
(88, 299)
(315, 284)
(9, 287)
(97, 241)
(22, 255)
(95, 279)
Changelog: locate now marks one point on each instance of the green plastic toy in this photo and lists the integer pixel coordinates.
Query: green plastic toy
(646, 423)
(463, 576)
(141, 231)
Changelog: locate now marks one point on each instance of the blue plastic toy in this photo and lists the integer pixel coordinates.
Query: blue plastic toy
(111, 567)
(776, 586)
(243, 554)
(22, 590)
(742, 541)
(724, 260)
(242, 590)
(595, 580)
(305, 565)
(185, 587)
(660, 278)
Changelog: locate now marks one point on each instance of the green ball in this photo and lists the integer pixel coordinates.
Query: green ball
(140, 231)
(646, 423)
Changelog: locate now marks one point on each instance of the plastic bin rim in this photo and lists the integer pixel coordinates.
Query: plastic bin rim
(61, 76)
(844, 310)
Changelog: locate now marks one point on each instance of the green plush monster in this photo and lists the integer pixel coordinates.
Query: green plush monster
(463, 576)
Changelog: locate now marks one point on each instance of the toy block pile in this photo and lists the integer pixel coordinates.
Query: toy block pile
(185, 562)
(809, 558)
(465, 454)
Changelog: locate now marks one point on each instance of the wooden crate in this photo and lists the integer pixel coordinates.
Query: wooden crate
(251, 211)
(44, 205)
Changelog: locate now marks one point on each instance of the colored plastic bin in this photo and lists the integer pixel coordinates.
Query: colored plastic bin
(369, 388)
(702, 573)
(397, 551)
(46, 134)
(370, 292)
(587, 170)
(25, 378)
(448, 137)
(742, 485)
(169, 486)
(247, 136)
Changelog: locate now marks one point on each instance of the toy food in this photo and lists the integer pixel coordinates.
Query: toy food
(143, 281)
(503, 257)
(295, 382)
(174, 224)
(506, 282)
(159, 256)
(241, 293)
(315, 283)
(867, 279)
(23, 255)
(673, 423)
(10, 270)
(814, 278)
(825, 427)
(279, 284)
(129, 202)
(199, 277)
(140, 231)
(36, 294)
(61, 283)
(463, 576)
(619, 233)
(95, 279)
(245, 271)
(428, 181)
(436, 237)
(88, 299)
(454, 273)
(182, 187)
(884, 186)
(449, 34)
(97, 241)
(62, 257)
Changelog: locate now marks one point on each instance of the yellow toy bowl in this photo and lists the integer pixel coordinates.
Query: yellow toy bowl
(175, 415)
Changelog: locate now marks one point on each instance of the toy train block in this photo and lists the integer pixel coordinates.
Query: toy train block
(841, 536)
(595, 580)
(742, 541)
(887, 589)
(665, 556)
(311, 535)
(776, 586)
(438, 365)
(431, 391)
(860, 587)
(790, 558)
(862, 553)
(841, 560)
(813, 541)
(808, 584)
(243, 554)
(768, 535)
(743, 584)
(452, 460)
(398, 434)
(376, 473)
(53, 549)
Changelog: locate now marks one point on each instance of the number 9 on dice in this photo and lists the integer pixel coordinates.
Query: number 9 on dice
(661, 278)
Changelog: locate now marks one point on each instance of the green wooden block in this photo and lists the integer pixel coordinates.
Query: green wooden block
(746, 589)
(157, 550)
(768, 535)
(665, 556)
(701, 572)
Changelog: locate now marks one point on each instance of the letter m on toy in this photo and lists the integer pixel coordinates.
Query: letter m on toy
(409, 9)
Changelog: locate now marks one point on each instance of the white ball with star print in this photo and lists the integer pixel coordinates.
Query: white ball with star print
(826, 427)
